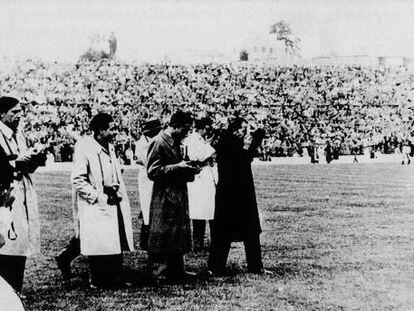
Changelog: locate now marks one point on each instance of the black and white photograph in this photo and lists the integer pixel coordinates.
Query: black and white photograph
(206, 155)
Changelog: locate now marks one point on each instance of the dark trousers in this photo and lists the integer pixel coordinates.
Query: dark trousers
(72, 250)
(166, 265)
(143, 237)
(105, 270)
(220, 248)
(12, 270)
(199, 232)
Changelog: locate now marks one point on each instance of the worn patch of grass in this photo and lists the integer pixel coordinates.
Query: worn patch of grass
(337, 237)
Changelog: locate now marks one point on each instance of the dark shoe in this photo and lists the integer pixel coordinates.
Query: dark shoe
(215, 273)
(64, 266)
(182, 277)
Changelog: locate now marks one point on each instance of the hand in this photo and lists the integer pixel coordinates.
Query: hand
(6, 198)
(184, 164)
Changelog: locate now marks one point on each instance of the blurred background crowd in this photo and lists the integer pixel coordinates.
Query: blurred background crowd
(350, 109)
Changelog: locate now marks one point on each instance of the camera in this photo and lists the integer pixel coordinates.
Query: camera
(112, 192)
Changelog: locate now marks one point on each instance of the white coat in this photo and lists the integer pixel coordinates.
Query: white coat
(25, 214)
(202, 191)
(98, 221)
(9, 300)
(144, 183)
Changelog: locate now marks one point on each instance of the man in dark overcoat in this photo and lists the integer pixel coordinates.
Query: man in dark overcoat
(169, 223)
(236, 215)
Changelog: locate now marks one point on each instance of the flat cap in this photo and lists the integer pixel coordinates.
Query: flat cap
(151, 125)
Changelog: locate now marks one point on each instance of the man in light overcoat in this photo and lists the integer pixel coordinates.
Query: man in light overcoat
(105, 227)
(24, 237)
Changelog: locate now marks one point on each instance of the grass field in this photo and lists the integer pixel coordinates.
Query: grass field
(338, 237)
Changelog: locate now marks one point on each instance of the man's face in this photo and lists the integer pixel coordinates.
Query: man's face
(242, 131)
(109, 134)
(12, 117)
(182, 131)
(205, 132)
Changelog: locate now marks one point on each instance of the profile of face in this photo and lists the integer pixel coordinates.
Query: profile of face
(205, 132)
(12, 117)
(242, 131)
(108, 135)
(182, 131)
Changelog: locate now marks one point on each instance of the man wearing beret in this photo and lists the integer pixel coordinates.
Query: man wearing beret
(149, 130)
(24, 236)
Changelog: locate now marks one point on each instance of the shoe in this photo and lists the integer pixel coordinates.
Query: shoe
(214, 274)
(261, 272)
(93, 286)
(64, 266)
(184, 276)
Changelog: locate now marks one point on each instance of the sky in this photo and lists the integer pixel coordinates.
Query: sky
(150, 30)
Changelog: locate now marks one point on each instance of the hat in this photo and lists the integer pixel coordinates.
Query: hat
(7, 103)
(151, 125)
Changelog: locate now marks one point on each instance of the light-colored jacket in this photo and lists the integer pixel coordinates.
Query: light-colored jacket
(25, 214)
(144, 183)
(202, 191)
(98, 222)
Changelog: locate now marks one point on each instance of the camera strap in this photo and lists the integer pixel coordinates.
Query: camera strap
(113, 168)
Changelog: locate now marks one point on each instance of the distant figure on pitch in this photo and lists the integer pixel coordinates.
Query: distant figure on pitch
(149, 130)
(202, 191)
(406, 151)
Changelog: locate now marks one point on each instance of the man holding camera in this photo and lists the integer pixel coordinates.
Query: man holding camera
(236, 216)
(169, 221)
(24, 236)
(9, 299)
(104, 215)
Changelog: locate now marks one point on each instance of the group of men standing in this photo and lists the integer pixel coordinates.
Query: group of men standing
(181, 177)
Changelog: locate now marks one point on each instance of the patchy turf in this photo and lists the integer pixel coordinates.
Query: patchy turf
(337, 237)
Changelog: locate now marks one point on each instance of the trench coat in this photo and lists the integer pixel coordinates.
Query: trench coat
(169, 222)
(144, 183)
(25, 213)
(236, 214)
(98, 222)
(9, 300)
(202, 191)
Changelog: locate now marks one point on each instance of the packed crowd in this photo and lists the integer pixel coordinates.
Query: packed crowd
(299, 106)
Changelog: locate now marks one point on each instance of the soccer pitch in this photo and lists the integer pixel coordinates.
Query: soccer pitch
(336, 237)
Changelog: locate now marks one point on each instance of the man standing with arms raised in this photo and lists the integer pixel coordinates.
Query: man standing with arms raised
(169, 222)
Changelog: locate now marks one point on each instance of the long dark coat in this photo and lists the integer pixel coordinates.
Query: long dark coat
(169, 222)
(236, 215)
